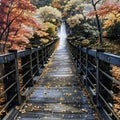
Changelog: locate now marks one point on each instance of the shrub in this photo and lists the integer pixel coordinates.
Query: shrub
(113, 32)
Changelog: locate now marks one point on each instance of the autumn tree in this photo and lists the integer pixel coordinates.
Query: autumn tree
(82, 29)
(49, 14)
(73, 7)
(95, 3)
(59, 4)
(15, 14)
(75, 20)
(108, 11)
(111, 16)
(42, 36)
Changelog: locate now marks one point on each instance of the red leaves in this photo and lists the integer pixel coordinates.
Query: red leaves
(106, 8)
(4, 1)
(26, 5)
(14, 14)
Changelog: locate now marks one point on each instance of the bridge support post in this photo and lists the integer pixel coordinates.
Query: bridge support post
(97, 78)
(38, 69)
(35, 62)
(77, 57)
(11, 82)
(86, 71)
(17, 76)
(28, 78)
(43, 55)
(41, 60)
(102, 80)
(38, 62)
(80, 61)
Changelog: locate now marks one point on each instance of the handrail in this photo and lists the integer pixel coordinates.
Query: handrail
(94, 67)
(19, 69)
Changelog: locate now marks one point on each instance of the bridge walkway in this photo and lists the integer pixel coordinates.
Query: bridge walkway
(58, 95)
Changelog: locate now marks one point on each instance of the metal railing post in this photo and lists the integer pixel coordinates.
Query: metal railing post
(27, 60)
(35, 62)
(77, 57)
(43, 54)
(80, 59)
(98, 51)
(17, 76)
(98, 78)
(86, 71)
(40, 53)
(38, 61)
(31, 83)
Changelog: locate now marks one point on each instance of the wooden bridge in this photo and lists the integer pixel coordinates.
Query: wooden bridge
(43, 84)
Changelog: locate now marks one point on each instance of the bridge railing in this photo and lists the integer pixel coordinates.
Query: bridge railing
(20, 70)
(96, 72)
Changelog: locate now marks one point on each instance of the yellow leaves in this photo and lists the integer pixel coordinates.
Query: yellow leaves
(116, 72)
(30, 107)
(116, 88)
(17, 107)
(75, 20)
(84, 110)
(44, 41)
(61, 99)
(63, 111)
(48, 85)
(2, 112)
(51, 28)
(111, 19)
(85, 42)
(68, 94)
(108, 23)
(42, 33)
(2, 100)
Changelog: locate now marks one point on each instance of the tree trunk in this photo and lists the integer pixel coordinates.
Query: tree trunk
(99, 29)
(98, 22)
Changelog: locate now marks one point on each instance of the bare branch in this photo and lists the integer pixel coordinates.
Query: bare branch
(97, 2)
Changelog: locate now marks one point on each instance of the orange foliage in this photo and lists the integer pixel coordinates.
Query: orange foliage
(56, 4)
(14, 15)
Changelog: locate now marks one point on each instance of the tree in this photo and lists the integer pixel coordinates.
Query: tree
(82, 29)
(107, 7)
(51, 29)
(73, 7)
(104, 10)
(49, 14)
(59, 4)
(75, 20)
(98, 19)
(14, 15)
(113, 32)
